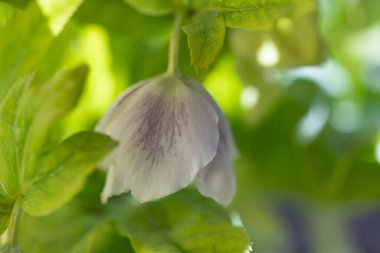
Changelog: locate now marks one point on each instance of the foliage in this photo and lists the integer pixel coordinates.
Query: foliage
(298, 81)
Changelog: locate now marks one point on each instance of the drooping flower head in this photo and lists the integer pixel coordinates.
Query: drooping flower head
(170, 131)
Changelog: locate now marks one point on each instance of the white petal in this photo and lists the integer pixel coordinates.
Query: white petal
(167, 132)
(223, 123)
(107, 121)
(217, 179)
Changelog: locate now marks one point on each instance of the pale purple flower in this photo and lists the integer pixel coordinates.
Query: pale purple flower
(170, 131)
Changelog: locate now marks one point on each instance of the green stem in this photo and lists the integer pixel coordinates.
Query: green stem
(11, 237)
(173, 67)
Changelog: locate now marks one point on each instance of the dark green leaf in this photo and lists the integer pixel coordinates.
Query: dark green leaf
(205, 37)
(5, 210)
(9, 134)
(19, 3)
(183, 222)
(63, 171)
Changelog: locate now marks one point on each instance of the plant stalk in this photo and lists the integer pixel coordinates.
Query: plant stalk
(173, 67)
(11, 236)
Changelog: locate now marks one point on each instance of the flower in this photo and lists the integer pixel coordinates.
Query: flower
(170, 131)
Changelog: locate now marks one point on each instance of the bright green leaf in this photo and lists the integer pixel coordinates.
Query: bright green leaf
(58, 12)
(63, 171)
(44, 105)
(9, 128)
(26, 116)
(23, 42)
(183, 222)
(205, 37)
(28, 35)
(152, 7)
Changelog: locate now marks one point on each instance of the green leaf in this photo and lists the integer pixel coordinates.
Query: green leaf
(152, 7)
(18, 3)
(207, 30)
(23, 42)
(44, 105)
(26, 115)
(10, 142)
(58, 12)
(63, 171)
(5, 210)
(254, 14)
(205, 38)
(261, 14)
(84, 223)
(27, 36)
(183, 222)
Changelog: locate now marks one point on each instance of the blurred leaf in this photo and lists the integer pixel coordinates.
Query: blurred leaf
(182, 222)
(19, 3)
(26, 38)
(257, 16)
(296, 41)
(253, 14)
(10, 249)
(299, 41)
(207, 29)
(45, 104)
(23, 42)
(58, 12)
(152, 7)
(10, 140)
(5, 210)
(63, 171)
(205, 38)
(358, 181)
(83, 225)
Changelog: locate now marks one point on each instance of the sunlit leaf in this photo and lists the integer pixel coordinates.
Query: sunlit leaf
(44, 104)
(205, 37)
(58, 12)
(26, 116)
(183, 222)
(27, 36)
(10, 142)
(63, 171)
(23, 42)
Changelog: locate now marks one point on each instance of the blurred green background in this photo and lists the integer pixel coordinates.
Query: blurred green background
(303, 101)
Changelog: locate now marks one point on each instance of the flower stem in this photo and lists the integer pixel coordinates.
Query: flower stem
(173, 67)
(11, 236)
